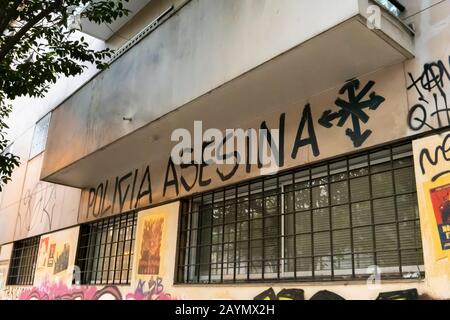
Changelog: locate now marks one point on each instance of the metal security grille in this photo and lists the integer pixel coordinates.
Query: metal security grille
(342, 219)
(23, 262)
(105, 251)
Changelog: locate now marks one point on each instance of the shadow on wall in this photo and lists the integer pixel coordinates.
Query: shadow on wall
(299, 294)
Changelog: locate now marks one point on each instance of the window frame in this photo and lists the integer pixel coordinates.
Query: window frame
(90, 248)
(183, 273)
(27, 262)
(33, 153)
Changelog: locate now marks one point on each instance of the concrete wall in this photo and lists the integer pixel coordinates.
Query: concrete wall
(29, 206)
(142, 19)
(101, 200)
(205, 45)
(432, 189)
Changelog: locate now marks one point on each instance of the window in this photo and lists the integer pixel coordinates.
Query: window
(326, 222)
(23, 262)
(105, 250)
(40, 136)
(393, 6)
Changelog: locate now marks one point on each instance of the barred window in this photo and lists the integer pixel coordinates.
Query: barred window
(333, 221)
(105, 250)
(23, 262)
(40, 136)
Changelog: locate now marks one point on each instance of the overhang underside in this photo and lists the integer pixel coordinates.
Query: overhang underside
(349, 50)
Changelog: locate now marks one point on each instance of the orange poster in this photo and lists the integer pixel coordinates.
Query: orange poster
(150, 248)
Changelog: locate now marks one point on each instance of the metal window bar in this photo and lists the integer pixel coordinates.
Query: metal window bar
(322, 266)
(23, 262)
(95, 255)
(352, 244)
(131, 221)
(330, 220)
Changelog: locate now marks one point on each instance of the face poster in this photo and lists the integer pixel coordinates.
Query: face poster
(440, 199)
(150, 246)
(43, 252)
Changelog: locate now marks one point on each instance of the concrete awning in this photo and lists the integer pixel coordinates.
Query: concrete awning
(78, 156)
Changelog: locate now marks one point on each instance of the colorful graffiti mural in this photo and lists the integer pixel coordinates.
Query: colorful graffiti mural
(60, 291)
(152, 289)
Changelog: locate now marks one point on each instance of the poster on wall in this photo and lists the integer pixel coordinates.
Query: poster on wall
(433, 193)
(3, 273)
(437, 194)
(62, 260)
(43, 249)
(440, 199)
(56, 256)
(51, 255)
(150, 244)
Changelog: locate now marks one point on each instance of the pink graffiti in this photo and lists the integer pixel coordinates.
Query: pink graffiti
(60, 291)
(155, 291)
(145, 290)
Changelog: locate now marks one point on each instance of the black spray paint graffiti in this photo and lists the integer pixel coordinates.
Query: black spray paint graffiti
(432, 158)
(284, 294)
(433, 79)
(126, 188)
(126, 192)
(353, 108)
(37, 208)
(306, 136)
(134, 186)
(298, 294)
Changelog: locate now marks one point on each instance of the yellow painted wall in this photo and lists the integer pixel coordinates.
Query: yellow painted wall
(161, 285)
(437, 264)
(56, 257)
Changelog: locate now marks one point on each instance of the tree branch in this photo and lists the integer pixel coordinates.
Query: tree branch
(9, 15)
(9, 44)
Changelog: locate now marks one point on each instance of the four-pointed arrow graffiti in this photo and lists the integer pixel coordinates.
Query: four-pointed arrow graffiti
(353, 108)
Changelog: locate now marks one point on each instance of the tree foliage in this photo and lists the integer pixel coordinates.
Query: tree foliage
(37, 45)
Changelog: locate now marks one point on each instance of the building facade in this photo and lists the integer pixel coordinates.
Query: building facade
(355, 92)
